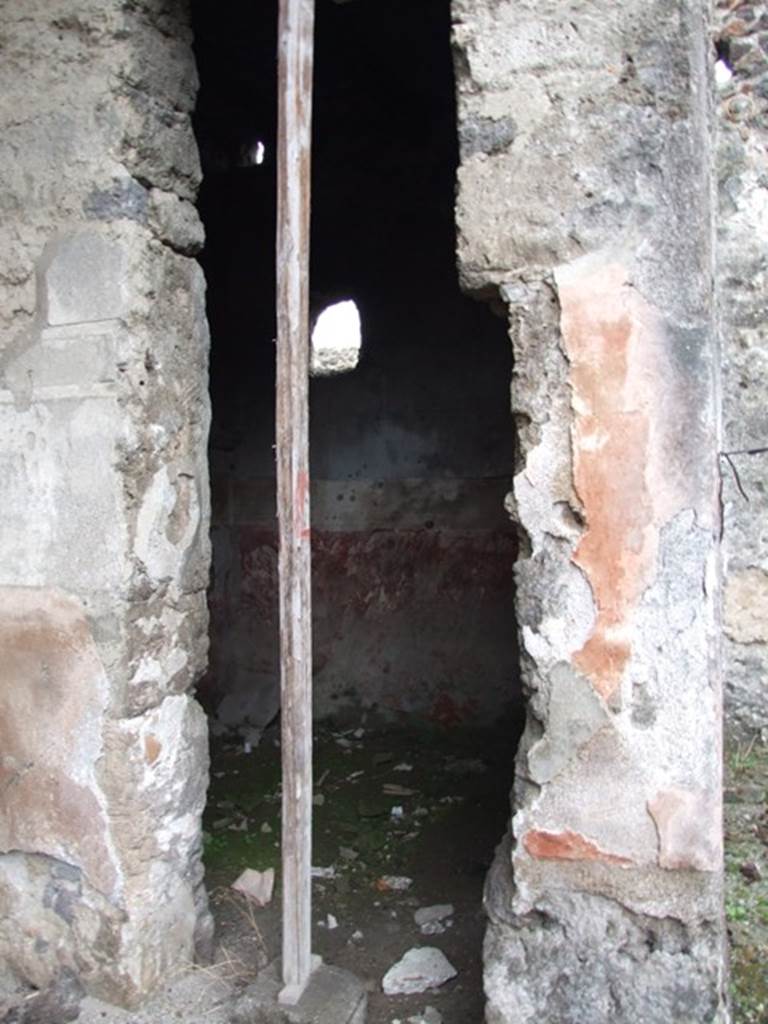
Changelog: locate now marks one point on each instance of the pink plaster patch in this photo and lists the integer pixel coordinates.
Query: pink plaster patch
(568, 846)
(690, 835)
(53, 706)
(614, 342)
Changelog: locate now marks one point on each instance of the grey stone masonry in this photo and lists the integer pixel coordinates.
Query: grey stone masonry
(104, 515)
(590, 214)
(742, 278)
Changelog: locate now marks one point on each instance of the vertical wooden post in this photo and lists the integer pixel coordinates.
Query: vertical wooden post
(296, 27)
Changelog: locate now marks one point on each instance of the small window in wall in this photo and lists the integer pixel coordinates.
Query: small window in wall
(416, 693)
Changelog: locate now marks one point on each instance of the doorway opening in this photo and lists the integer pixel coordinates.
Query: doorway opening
(417, 698)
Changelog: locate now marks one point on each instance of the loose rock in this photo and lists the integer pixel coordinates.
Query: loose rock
(422, 968)
(429, 1015)
(394, 883)
(256, 885)
(751, 871)
(437, 912)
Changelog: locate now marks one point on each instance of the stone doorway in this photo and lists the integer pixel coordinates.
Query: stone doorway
(412, 453)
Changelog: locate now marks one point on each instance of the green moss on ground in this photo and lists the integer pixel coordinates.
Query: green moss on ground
(354, 776)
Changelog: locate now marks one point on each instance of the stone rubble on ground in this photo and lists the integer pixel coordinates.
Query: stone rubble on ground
(318, 872)
(429, 1015)
(420, 969)
(394, 883)
(256, 885)
(433, 920)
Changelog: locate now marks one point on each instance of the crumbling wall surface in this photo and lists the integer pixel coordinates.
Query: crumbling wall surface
(103, 423)
(585, 200)
(742, 261)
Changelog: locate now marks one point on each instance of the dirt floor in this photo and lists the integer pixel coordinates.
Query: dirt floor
(746, 879)
(423, 809)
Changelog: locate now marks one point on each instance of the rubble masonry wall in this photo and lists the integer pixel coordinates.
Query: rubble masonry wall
(585, 201)
(742, 279)
(104, 517)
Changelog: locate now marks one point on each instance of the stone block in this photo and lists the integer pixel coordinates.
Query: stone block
(61, 491)
(72, 356)
(332, 996)
(83, 280)
(746, 606)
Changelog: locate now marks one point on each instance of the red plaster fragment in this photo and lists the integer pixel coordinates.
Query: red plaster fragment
(568, 846)
(613, 340)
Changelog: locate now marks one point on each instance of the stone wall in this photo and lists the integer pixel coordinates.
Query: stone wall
(585, 201)
(103, 526)
(742, 37)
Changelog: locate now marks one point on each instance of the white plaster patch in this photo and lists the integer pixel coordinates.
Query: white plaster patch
(160, 555)
(85, 280)
(60, 491)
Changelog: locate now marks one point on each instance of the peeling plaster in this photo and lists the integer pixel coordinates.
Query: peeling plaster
(690, 835)
(614, 340)
(568, 846)
(575, 714)
(52, 676)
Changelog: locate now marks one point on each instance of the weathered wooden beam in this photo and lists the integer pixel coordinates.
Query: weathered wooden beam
(296, 28)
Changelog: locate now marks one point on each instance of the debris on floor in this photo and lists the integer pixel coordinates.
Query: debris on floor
(421, 969)
(393, 883)
(256, 885)
(387, 881)
(429, 1015)
(434, 920)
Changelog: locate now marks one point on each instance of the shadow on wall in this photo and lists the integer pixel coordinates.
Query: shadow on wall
(412, 453)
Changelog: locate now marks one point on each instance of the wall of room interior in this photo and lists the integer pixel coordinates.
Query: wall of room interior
(412, 452)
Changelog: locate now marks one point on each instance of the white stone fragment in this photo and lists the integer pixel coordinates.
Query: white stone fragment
(429, 1015)
(435, 927)
(331, 922)
(256, 885)
(395, 883)
(324, 872)
(422, 968)
(437, 912)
